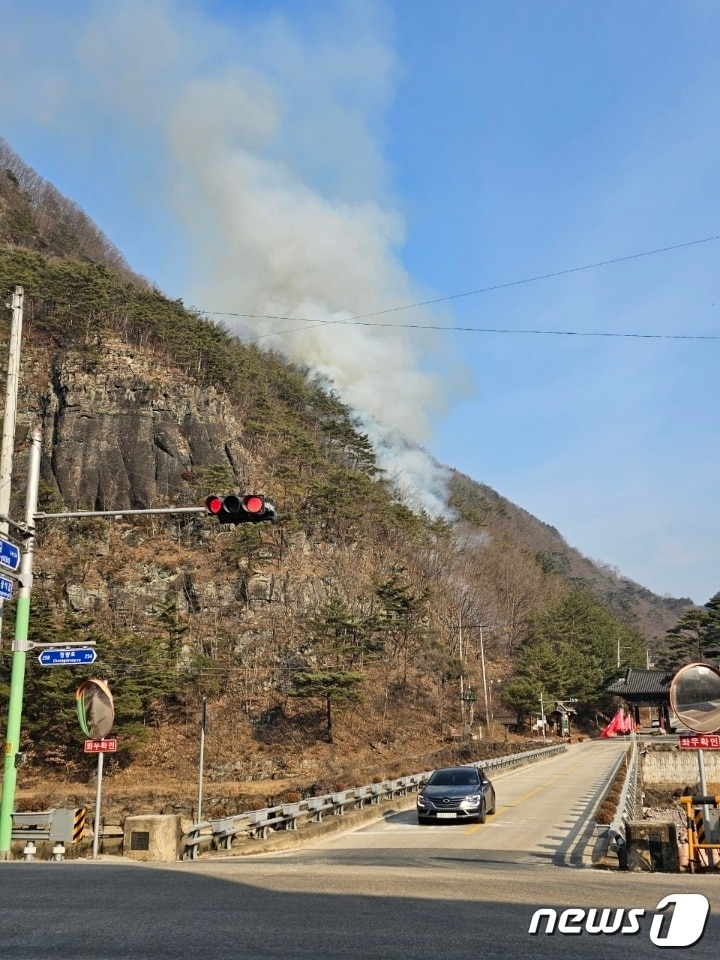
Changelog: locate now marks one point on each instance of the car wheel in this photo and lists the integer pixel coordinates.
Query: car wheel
(493, 807)
(482, 815)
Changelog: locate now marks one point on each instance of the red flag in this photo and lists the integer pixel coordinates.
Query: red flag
(619, 724)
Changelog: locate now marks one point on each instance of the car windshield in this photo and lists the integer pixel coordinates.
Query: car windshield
(453, 778)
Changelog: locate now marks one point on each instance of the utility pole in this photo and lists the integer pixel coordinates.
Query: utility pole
(462, 672)
(480, 627)
(484, 678)
(8, 437)
(203, 723)
(20, 647)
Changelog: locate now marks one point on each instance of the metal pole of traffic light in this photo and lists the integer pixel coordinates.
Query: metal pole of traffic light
(20, 647)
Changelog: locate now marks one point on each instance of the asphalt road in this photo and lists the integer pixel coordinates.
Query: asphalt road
(389, 890)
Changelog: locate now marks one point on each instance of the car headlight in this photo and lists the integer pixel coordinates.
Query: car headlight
(474, 800)
(421, 801)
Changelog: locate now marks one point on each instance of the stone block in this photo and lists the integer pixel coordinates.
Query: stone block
(652, 846)
(154, 837)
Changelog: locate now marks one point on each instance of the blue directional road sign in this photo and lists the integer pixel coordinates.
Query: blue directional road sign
(6, 588)
(77, 657)
(9, 555)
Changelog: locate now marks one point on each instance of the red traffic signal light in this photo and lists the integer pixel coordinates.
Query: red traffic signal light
(214, 504)
(241, 508)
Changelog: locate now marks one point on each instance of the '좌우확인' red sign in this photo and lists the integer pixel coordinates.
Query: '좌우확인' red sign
(704, 742)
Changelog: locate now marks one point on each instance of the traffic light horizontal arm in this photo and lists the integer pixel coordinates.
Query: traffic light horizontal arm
(20, 527)
(116, 513)
(235, 508)
(56, 645)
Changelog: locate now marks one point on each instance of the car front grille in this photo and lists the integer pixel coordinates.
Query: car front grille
(446, 803)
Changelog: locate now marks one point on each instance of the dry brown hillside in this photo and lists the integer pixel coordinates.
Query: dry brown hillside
(332, 645)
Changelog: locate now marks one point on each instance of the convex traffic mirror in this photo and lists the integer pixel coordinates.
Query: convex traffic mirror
(695, 697)
(95, 708)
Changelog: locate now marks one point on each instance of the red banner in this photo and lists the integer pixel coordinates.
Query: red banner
(620, 723)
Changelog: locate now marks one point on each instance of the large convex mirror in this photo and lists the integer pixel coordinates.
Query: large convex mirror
(695, 697)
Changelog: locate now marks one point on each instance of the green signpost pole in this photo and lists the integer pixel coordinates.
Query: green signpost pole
(20, 647)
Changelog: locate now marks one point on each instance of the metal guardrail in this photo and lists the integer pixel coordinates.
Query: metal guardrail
(615, 835)
(58, 825)
(256, 824)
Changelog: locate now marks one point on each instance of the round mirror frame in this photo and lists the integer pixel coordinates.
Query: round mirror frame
(697, 714)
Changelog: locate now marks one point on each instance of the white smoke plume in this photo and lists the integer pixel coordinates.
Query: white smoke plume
(267, 139)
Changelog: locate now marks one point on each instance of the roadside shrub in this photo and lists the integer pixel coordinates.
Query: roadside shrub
(608, 807)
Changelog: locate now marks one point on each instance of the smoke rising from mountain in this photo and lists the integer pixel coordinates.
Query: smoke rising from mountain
(268, 144)
(299, 236)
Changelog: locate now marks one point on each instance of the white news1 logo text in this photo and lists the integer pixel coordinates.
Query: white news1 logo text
(682, 926)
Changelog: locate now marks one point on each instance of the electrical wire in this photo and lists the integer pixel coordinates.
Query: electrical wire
(358, 319)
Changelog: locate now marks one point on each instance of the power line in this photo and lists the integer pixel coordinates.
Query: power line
(555, 333)
(358, 319)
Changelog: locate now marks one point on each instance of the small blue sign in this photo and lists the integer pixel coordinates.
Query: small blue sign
(9, 555)
(77, 657)
(6, 588)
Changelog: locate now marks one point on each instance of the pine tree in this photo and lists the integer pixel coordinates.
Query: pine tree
(335, 646)
(696, 636)
(336, 688)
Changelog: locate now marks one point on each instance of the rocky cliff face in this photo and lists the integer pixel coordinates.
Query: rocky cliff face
(121, 433)
(124, 429)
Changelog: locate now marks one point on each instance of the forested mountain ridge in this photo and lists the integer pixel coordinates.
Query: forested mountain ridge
(629, 601)
(351, 620)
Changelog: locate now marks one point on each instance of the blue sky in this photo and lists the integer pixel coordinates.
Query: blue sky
(323, 160)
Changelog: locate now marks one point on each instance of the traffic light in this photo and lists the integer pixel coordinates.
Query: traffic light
(241, 508)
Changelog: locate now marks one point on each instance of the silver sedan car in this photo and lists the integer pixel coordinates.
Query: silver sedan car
(458, 794)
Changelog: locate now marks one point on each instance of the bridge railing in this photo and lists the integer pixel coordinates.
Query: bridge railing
(614, 836)
(257, 824)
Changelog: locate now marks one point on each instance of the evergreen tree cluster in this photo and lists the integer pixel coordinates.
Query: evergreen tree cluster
(574, 650)
(695, 637)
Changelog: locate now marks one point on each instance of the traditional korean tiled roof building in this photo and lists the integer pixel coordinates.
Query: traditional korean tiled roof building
(645, 688)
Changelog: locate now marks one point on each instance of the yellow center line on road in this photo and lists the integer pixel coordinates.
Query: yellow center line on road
(527, 796)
